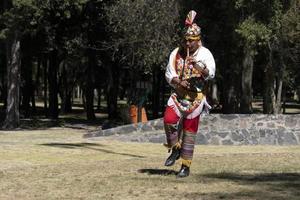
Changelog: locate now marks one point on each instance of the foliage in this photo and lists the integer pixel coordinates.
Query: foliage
(291, 36)
(291, 24)
(18, 18)
(261, 21)
(254, 33)
(142, 32)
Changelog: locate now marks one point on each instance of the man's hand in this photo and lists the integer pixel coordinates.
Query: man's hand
(200, 66)
(185, 84)
(191, 60)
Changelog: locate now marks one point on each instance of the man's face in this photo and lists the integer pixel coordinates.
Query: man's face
(192, 45)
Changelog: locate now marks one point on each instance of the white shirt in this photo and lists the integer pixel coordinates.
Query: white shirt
(202, 54)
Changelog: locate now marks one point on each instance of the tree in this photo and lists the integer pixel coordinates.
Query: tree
(12, 34)
(291, 46)
(262, 25)
(142, 34)
(13, 81)
(253, 34)
(59, 25)
(218, 21)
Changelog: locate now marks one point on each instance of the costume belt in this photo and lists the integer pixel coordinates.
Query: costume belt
(189, 95)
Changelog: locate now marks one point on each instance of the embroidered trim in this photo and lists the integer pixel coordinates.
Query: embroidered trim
(185, 106)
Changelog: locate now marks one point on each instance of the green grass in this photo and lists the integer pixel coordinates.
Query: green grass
(59, 164)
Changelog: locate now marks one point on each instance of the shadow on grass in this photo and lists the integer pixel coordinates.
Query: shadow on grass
(74, 119)
(241, 195)
(69, 122)
(164, 172)
(267, 185)
(72, 145)
(267, 177)
(90, 146)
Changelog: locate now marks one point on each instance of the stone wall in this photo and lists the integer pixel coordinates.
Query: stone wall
(219, 129)
(250, 129)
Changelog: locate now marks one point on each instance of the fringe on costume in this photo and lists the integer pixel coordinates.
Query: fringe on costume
(177, 145)
(186, 162)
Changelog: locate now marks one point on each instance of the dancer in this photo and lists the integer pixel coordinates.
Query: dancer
(189, 68)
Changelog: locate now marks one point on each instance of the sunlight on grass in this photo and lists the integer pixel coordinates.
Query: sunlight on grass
(60, 164)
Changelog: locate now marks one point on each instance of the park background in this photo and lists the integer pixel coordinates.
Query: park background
(71, 69)
(95, 58)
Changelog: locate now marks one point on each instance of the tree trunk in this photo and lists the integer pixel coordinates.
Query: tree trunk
(112, 90)
(279, 83)
(37, 77)
(163, 98)
(230, 100)
(230, 104)
(269, 92)
(246, 82)
(269, 88)
(45, 73)
(53, 85)
(27, 89)
(99, 92)
(13, 84)
(89, 90)
(4, 5)
(36, 84)
(156, 93)
(3, 88)
(66, 92)
(284, 100)
(214, 93)
(277, 109)
(66, 101)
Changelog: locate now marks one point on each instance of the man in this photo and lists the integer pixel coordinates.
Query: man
(188, 70)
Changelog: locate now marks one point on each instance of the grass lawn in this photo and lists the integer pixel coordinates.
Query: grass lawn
(58, 163)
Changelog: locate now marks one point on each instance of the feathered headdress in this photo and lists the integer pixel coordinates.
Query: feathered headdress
(193, 30)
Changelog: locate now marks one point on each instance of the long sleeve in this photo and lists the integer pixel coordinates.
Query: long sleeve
(211, 65)
(170, 70)
(205, 56)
